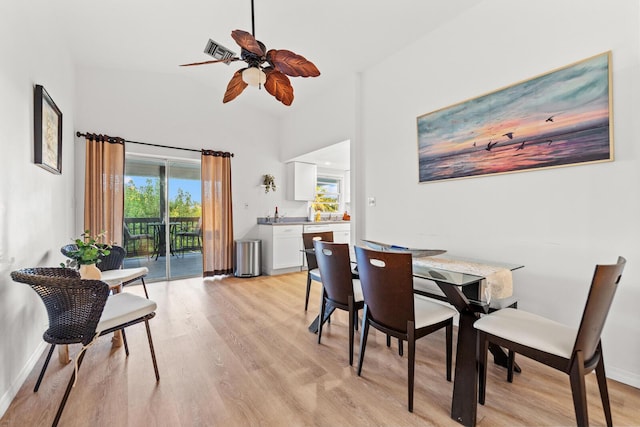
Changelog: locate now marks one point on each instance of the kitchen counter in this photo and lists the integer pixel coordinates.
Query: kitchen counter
(297, 221)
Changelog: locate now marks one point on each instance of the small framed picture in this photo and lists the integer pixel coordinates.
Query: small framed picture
(47, 132)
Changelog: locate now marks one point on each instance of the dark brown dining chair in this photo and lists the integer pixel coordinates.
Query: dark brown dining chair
(576, 352)
(80, 311)
(313, 273)
(391, 306)
(339, 288)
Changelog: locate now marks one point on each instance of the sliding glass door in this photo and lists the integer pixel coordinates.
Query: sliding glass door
(162, 216)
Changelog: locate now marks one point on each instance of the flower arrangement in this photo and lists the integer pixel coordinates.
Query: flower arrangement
(269, 183)
(88, 250)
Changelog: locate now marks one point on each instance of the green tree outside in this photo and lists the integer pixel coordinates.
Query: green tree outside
(144, 201)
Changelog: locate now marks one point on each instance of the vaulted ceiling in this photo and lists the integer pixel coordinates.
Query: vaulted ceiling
(340, 37)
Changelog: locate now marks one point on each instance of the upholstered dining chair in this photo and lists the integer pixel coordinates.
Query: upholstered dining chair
(80, 311)
(576, 352)
(391, 306)
(111, 267)
(339, 288)
(313, 273)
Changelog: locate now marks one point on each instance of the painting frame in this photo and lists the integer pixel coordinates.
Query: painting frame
(47, 131)
(560, 118)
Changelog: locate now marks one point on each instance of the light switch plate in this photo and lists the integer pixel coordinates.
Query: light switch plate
(371, 201)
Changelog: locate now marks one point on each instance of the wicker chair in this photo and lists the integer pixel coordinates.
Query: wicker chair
(81, 310)
(111, 267)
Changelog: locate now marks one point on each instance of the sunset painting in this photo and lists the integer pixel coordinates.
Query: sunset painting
(557, 119)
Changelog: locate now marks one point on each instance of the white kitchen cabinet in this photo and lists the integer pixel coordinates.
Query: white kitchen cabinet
(342, 233)
(301, 181)
(281, 248)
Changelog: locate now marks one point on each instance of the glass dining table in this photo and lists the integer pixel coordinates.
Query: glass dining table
(467, 293)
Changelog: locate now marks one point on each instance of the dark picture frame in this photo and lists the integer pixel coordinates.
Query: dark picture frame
(561, 118)
(47, 131)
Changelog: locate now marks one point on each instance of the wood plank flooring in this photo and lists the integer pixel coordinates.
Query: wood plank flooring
(237, 352)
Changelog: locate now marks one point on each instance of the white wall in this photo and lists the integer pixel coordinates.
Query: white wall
(170, 110)
(36, 206)
(559, 223)
(329, 119)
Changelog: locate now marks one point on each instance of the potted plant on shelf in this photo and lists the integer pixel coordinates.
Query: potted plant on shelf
(269, 183)
(86, 254)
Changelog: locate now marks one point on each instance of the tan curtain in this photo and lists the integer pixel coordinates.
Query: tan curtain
(217, 214)
(104, 187)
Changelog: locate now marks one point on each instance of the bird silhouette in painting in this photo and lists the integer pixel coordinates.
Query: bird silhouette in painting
(508, 135)
(549, 141)
(474, 143)
(490, 145)
(550, 119)
(521, 146)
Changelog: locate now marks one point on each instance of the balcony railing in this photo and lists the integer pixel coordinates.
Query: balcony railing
(147, 245)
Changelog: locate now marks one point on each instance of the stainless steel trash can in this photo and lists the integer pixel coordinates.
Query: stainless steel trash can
(248, 257)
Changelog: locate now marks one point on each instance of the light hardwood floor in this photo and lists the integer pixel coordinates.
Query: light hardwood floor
(237, 352)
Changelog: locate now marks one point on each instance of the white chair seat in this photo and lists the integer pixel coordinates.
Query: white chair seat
(115, 277)
(429, 312)
(314, 273)
(357, 291)
(530, 330)
(122, 308)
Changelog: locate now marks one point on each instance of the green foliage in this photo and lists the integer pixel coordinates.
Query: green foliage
(144, 201)
(89, 250)
(324, 202)
(183, 205)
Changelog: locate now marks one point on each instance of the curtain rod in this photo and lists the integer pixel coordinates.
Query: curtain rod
(79, 134)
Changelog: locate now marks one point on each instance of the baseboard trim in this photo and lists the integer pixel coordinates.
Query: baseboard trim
(11, 393)
(623, 376)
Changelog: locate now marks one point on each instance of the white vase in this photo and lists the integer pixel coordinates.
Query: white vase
(90, 272)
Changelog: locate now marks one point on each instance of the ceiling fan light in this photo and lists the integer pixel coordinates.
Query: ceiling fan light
(254, 76)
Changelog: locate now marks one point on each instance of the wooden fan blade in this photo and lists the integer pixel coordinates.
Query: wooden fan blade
(211, 62)
(235, 87)
(292, 64)
(278, 85)
(247, 42)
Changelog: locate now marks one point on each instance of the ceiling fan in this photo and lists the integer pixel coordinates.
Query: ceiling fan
(264, 67)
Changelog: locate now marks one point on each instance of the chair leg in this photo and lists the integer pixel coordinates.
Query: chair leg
(510, 360)
(153, 353)
(400, 347)
(578, 389)
(44, 368)
(306, 298)
(411, 360)
(449, 345)
(321, 315)
(124, 340)
(364, 331)
(67, 391)
(352, 314)
(604, 391)
(482, 366)
(388, 340)
(144, 286)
